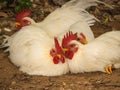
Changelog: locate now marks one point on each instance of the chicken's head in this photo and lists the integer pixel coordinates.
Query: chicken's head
(20, 21)
(57, 53)
(69, 48)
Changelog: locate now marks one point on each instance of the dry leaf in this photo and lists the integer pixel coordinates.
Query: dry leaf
(2, 14)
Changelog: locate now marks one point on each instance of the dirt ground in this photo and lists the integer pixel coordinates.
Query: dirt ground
(12, 79)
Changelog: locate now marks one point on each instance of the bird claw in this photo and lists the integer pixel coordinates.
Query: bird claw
(108, 69)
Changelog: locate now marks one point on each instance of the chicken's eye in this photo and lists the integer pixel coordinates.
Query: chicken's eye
(78, 39)
(72, 45)
(25, 21)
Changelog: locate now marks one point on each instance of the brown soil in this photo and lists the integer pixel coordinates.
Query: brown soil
(12, 79)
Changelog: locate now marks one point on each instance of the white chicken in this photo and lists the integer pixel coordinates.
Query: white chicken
(101, 54)
(35, 53)
(66, 17)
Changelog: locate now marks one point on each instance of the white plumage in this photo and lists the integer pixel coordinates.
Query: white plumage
(30, 51)
(98, 54)
(64, 18)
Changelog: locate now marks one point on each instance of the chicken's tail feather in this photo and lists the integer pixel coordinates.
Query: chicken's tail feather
(84, 4)
(5, 43)
(80, 6)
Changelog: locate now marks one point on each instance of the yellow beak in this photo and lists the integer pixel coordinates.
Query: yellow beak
(17, 24)
(59, 55)
(64, 50)
(85, 41)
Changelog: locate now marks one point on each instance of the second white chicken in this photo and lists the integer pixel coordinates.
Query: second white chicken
(101, 54)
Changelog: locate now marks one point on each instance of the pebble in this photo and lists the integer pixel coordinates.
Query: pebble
(7, 29)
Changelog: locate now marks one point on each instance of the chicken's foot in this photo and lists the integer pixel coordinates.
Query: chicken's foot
(108, 69)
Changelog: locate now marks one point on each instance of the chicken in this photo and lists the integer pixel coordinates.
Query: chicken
(101, 54)
(35, 53)
(63, 19)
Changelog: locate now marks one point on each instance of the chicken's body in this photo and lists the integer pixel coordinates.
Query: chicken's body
(62, 19)
(97, 54)
(30, 50)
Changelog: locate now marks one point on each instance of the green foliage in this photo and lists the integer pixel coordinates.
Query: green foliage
(18, 4)
(22, 4)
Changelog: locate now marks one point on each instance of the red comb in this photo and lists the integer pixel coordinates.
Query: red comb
(57, 46)
(22, 14)
(68, 37)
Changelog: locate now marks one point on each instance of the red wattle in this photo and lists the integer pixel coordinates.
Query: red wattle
(69, 54)
(55, 60)
(62, 59)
